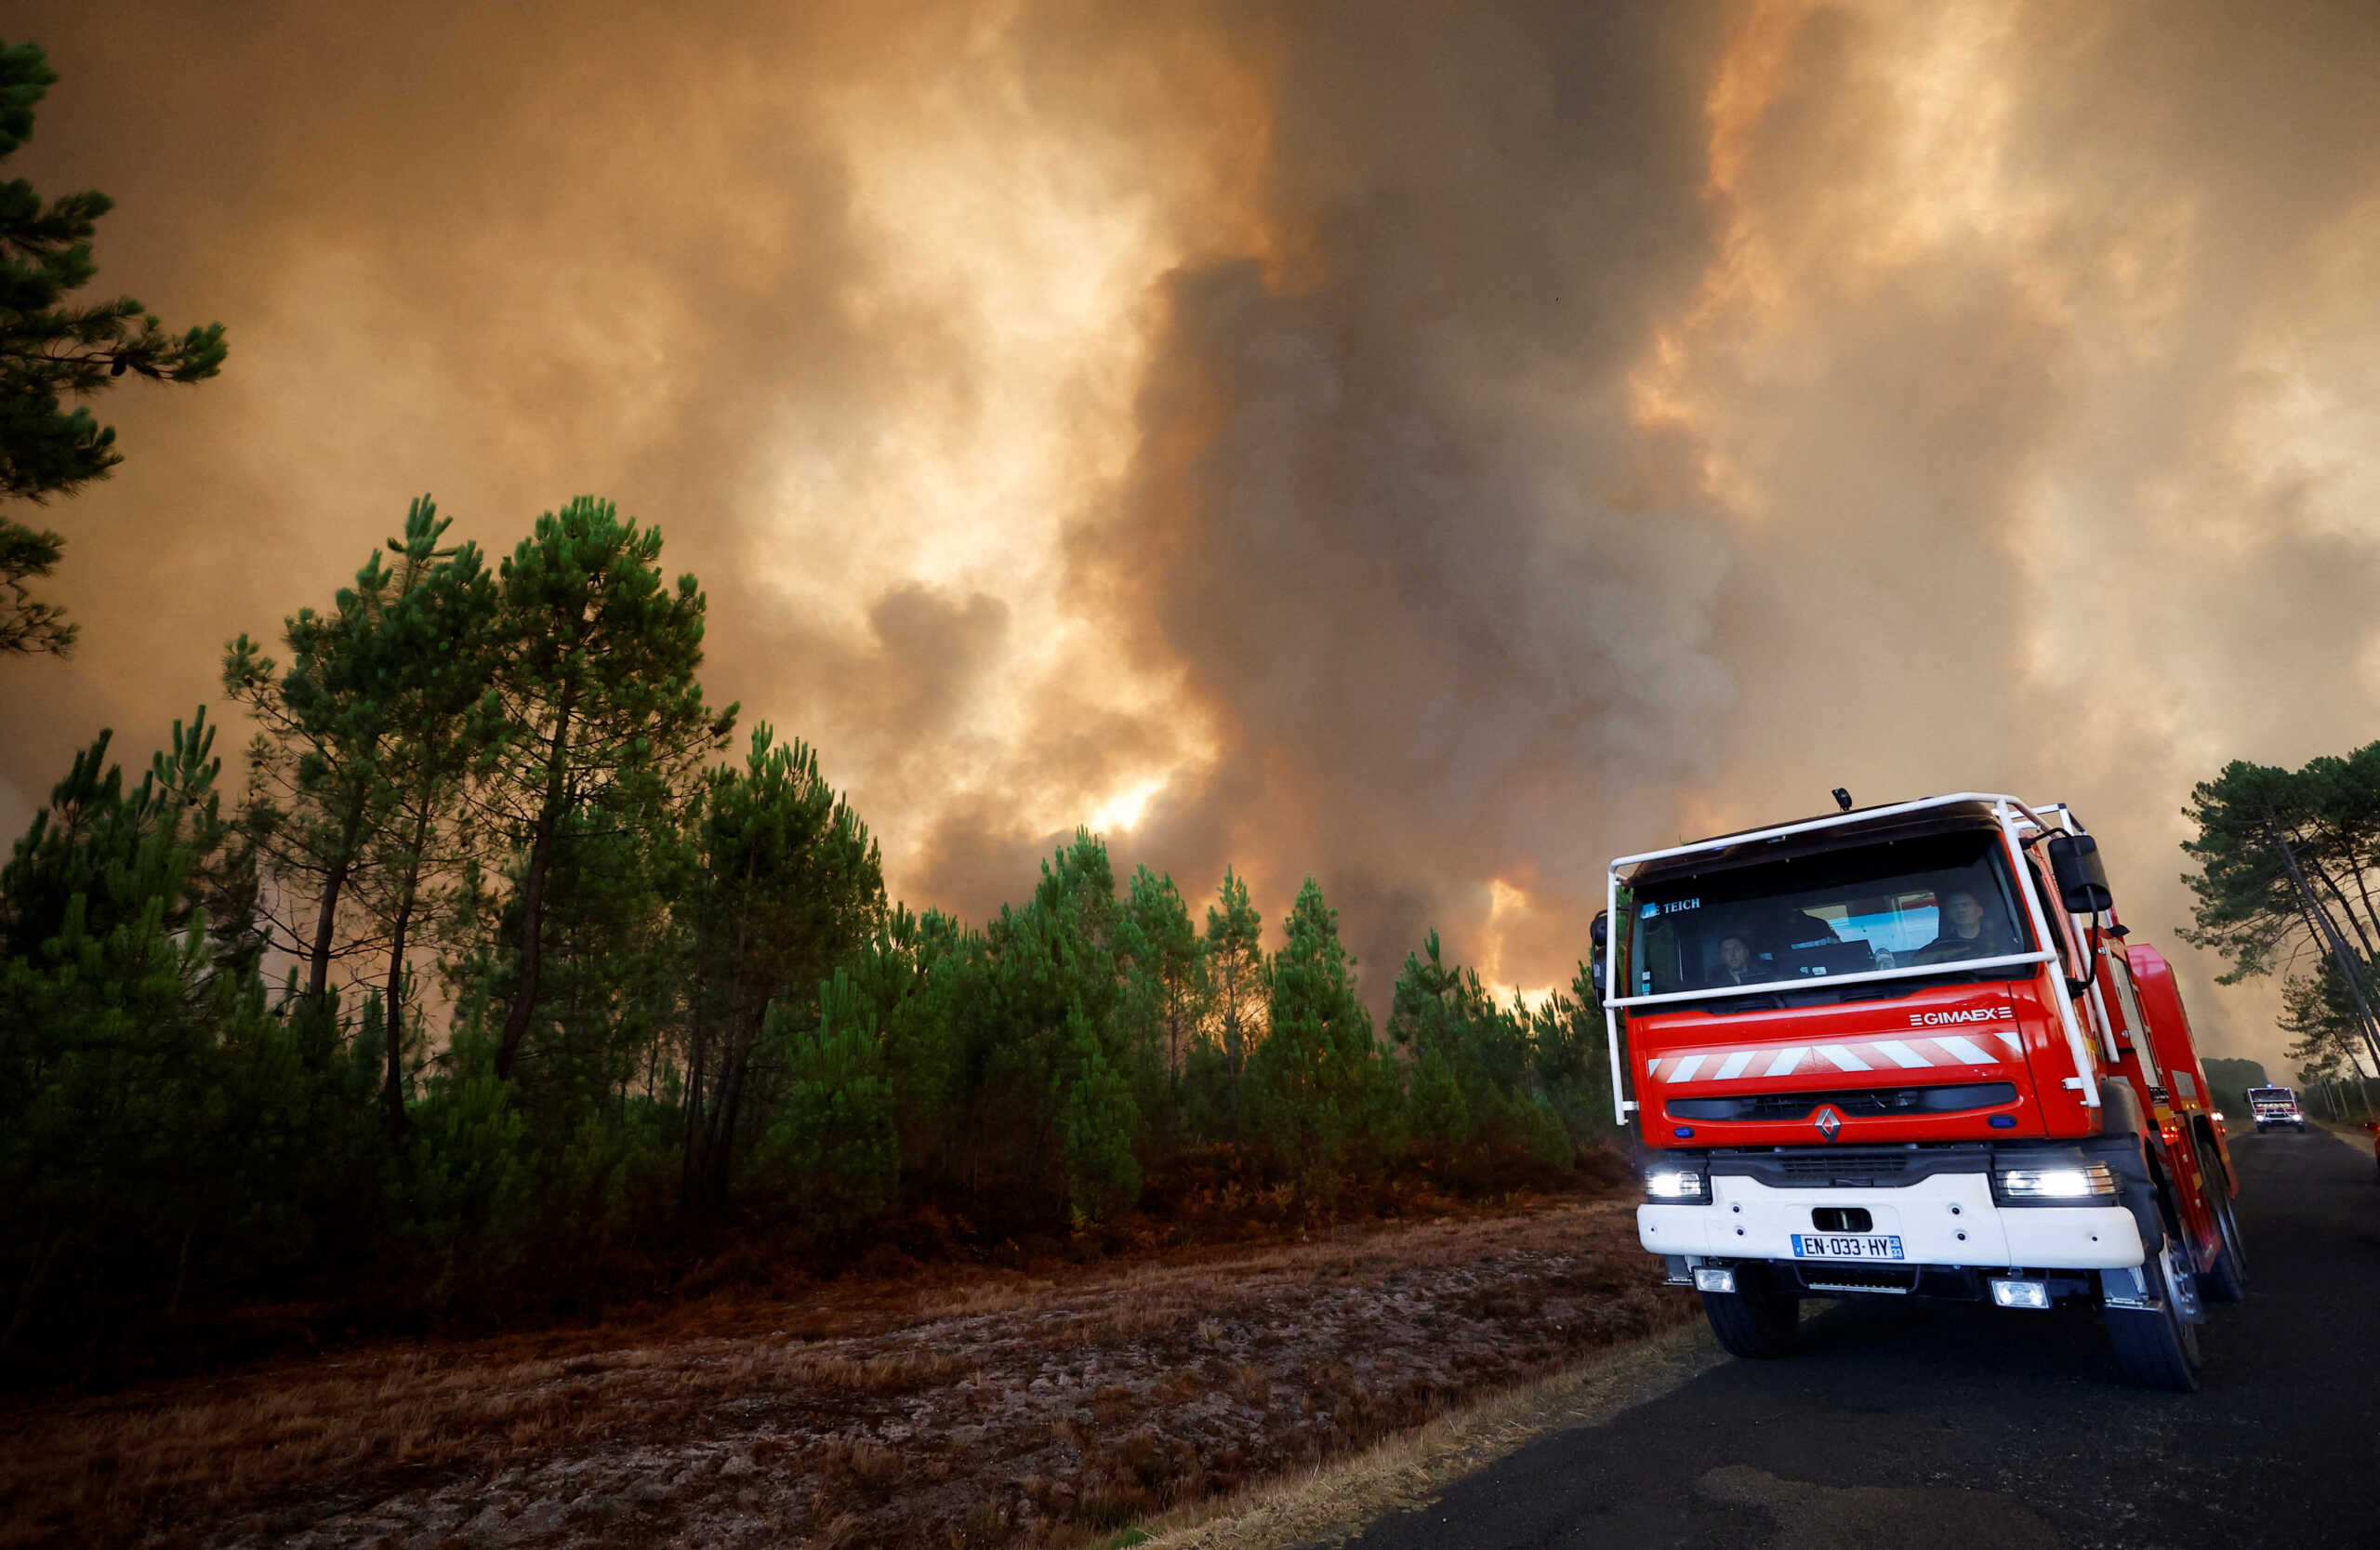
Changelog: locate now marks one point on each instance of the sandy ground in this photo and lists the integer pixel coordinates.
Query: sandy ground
(1004, 1409)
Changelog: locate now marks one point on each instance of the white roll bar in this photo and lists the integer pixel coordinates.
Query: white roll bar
(2005, 811)
(1865, 978)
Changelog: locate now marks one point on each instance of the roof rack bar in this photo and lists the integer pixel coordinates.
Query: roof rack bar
(1834, 820)
(1827, 981)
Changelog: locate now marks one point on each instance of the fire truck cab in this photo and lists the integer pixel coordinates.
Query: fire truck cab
(1911, 1051)
(2275, 1107)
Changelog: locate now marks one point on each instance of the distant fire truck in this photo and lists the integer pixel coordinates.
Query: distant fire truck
(2276, 1106)
(1910, 1050)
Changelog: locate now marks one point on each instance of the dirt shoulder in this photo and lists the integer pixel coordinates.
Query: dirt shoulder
(2354, 1135)
(1414, 1467)
(1005, 1409)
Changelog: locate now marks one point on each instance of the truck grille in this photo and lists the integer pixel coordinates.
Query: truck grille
(1844, 1168)
(1849, 1167)
(1851, 1103)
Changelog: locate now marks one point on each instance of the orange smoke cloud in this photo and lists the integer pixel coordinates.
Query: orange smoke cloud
(1430, 448)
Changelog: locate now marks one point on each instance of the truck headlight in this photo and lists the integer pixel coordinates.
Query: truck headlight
(2055, 1183)
(1676, 1185)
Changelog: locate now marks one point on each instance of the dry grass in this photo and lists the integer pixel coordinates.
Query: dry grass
(1012, 1409)
(1341, 1497)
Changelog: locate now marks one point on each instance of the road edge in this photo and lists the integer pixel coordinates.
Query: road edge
(2356, 1137)
(1330, 1504)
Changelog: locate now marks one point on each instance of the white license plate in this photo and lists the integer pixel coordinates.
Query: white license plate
(1810, 1245)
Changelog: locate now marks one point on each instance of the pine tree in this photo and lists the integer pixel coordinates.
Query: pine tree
(1097, 1116)
(832, 1138)
(599, 678)
(2285, 860)
(2320, 1012)
(430, 650)
(1452, 1025)
(1170, 962)
(921, 975)
(52, 349)
(147, 1102)
(1238, 989)
(788, 890)
(1429, 1017)
(1047, 971)
(1569, 1058)
(356, 776)
(311, 776)
(1319, 1090)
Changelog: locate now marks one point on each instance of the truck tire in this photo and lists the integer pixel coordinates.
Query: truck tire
(2156, 1348)
(2227, 1280)
(1759, 1318)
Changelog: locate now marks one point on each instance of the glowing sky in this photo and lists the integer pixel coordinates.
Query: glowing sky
(1428, 446)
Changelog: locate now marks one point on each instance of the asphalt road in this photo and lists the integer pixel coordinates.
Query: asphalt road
(1933, 1423)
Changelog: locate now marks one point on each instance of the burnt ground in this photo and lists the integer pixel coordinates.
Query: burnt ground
(1001, 1408)
(1934, 1423)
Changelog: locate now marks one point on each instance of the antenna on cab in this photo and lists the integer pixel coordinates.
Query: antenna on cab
(1843, 798)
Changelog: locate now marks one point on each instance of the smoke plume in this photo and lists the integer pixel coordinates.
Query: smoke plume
(1429, 447)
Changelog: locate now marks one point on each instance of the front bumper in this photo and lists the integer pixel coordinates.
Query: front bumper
(1950, 1219)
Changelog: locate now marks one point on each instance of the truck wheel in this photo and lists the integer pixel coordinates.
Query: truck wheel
(1759, 1318)
(2227, 1280)
(2156, 1348)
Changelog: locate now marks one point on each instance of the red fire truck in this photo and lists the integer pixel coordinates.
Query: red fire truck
(1912, 1050)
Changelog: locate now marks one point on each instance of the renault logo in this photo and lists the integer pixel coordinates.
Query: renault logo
(1828, 1123)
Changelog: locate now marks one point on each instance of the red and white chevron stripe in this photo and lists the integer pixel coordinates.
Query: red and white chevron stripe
(1991, 1047)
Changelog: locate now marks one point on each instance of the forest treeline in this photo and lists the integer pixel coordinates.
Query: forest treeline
(2288, 882)
(503, 967)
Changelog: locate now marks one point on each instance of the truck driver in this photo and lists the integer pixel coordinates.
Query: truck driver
(1967, 931)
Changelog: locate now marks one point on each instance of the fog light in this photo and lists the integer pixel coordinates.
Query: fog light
(2089, 1181)
(2020, 1294)
(1714, 1278)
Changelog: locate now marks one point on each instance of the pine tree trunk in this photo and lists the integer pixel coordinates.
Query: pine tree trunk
(28, 1290)
(394, 1093)
(533, 889)
(2363, 890)
(697, 1057)
(318, 972)
(2326, 935)
(2344, 847)
(734, 1052)
(2353, 920)
(732, 1079)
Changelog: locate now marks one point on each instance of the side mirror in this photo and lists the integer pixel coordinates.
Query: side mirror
(1599, 933)
(2082, 876)
(1599, 930)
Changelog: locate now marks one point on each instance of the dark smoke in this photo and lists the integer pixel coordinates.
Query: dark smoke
(1389, 513)
(1431, 446)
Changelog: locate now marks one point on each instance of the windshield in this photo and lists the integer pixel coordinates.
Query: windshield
(1939, 898)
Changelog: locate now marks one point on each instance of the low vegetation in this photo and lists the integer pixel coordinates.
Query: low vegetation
(1055, 1404)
